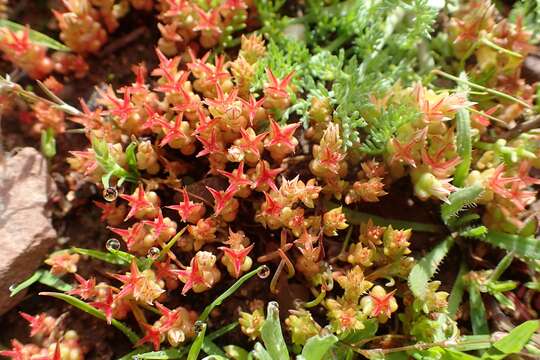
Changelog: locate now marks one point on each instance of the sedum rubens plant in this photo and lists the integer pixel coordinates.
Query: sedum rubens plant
(207, 172)
(50, 340)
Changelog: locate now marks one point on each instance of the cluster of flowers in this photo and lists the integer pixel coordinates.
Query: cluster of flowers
(50, 343)
(32, 58)
(205, 111)
(493, 50)
(195, 23)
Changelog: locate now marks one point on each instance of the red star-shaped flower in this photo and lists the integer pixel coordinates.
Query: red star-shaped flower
(252, 106)
(136, 203)
(236, 178)
(266, 175)
(237, 257)
(168, 317)
(276, 87)
(191, 276)
(282, 136)
(152, 335)
(186, 207)
(157, 224)
(221, 198)
(37, 323)
(86, 288)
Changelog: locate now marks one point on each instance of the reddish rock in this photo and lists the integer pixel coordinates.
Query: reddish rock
(26, 233)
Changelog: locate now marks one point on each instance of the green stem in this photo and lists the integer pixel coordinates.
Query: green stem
(483, 88)
(494, 46)
(316, 301)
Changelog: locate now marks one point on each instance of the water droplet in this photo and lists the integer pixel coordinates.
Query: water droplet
(112, 244)
(136, 357)
(199, 326)
(153, 253)
(110, 194)
(263, 272)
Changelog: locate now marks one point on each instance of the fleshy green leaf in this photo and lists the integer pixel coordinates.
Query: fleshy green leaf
(35, 36)
(426, 267)
(271, 334)
(317, 346)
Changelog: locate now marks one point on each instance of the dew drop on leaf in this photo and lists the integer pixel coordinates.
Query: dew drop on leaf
(263, 272)
(198, 326)
(153, 253)
(112, 244)
(110, 194)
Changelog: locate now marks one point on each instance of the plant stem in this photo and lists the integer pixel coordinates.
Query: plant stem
(480, 87)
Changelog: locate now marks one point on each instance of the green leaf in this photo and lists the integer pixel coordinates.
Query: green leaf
(87, 308)
(130, 355)
(197, 344)
(271, 334)
(111, 258)
(210, 348)
(172, 353)
(459, 200)
(317, 346)
(477, 311)
(48, 143)
(370, 329)
(456, 295)
(14, 290)
(207, 310)
(464, 146)
(35, 36)
(44, 277)
(515, 341)
(424, 269)
(236, 352)
(260, 352)
(524, 247)
(54, 281)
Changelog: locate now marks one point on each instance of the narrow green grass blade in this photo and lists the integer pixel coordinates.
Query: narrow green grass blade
(35, 36)
(87, 308)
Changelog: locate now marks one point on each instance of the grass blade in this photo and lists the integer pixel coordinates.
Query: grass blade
(522, 246)
(87, 308)
(111, 258)
(464, 146)
(226, 294)
(35, 36)
(456, 295)
(196, 346)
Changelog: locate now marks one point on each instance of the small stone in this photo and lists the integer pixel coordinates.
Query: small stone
(26, 233)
